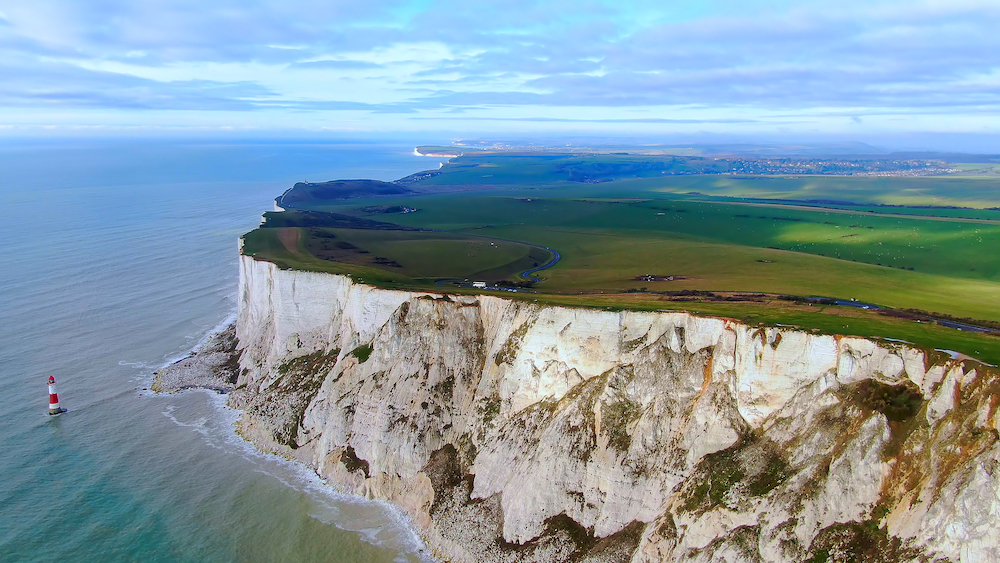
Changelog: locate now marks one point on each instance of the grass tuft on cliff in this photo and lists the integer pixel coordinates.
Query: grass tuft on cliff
(362, 353)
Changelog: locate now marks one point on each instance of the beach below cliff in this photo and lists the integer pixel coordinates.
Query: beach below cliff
(214, 365)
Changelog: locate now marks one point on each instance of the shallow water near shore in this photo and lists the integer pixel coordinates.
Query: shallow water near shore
(119, 257)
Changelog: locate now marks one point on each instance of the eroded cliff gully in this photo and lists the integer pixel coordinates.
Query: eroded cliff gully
(514, 432)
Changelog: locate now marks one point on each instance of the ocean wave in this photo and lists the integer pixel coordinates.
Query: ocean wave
(221, 326)
(146, 371)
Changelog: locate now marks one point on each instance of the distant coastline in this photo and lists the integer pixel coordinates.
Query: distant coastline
(436, 152)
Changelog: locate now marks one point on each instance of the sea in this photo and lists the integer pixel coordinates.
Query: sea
(118, 256)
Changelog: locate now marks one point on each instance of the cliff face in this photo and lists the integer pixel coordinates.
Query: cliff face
(510, 431)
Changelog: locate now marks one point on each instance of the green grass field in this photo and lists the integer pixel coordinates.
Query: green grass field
(933, 265)
(707, 232)
(948, 248)
(417, 257)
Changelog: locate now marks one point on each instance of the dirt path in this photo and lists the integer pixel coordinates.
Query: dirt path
(289, 237)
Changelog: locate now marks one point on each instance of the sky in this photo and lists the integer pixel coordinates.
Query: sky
(846, 69)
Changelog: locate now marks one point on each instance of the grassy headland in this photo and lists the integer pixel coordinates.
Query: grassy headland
(661, 233)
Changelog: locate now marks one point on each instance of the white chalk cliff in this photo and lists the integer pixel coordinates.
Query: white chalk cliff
(510, 431)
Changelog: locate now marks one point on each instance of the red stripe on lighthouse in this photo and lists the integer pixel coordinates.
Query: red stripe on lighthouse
(53, 397)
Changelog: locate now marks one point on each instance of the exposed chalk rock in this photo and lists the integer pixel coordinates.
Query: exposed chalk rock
(510, 431)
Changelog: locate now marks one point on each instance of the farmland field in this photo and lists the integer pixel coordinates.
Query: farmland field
(975, 187)
(395, 256)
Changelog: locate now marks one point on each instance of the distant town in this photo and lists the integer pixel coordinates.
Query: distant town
(838, 167)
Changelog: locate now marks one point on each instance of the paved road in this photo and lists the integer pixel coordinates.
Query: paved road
(524, 274)
(547, 265)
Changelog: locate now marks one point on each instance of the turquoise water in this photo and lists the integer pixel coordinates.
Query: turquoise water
(117, 257)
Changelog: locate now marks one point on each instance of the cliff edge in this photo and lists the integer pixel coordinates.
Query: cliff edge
(514, 432)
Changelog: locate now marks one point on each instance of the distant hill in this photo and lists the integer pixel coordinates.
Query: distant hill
(311, 192)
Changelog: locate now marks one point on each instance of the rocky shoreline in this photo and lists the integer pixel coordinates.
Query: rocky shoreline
(215, 366)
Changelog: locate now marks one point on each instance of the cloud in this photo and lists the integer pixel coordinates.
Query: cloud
(334, 105)
(336, 65)
(66, 86)
(802, 59)
(653, 120)
(856, 58)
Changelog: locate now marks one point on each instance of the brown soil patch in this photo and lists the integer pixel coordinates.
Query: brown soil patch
(289, 237)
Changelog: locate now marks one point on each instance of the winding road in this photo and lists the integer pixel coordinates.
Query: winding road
(555, 258)
(525, 274)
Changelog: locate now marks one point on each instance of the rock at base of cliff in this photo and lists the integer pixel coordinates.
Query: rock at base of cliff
(214, 366)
